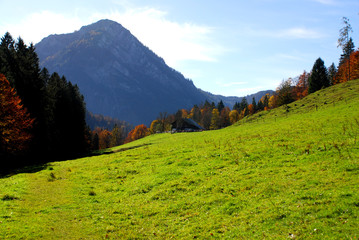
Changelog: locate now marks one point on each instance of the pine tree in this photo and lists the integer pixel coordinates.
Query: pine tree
(348, 49)
(254, 103)
(319, 77)
(220, 106)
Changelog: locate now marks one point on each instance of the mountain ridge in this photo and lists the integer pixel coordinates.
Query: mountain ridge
(118, 75)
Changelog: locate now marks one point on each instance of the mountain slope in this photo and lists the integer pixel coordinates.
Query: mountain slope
(118, 75)
(286, 173)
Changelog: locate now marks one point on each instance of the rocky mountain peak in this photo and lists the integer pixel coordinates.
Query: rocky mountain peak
(118, 75)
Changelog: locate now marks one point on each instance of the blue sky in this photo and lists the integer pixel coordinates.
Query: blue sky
(229, 47)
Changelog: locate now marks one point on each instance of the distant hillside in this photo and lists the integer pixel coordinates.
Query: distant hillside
(118, 75)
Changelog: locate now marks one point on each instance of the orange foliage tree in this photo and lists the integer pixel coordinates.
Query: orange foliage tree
(343, 70)
(140, 131)
(104, 139)
(251, 109)
(15, 121)
(301, 88)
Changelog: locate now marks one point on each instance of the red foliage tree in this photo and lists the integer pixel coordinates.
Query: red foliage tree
(301, 88)
(343, 70)
(140, 131)
(15, 121)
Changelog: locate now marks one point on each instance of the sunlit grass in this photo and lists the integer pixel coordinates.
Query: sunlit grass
(278, 175)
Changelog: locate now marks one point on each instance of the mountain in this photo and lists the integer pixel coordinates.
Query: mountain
(118, 75)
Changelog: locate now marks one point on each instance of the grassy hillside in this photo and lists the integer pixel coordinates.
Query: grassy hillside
(292, 172)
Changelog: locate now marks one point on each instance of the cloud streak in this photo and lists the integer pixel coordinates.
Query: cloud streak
(326, 2)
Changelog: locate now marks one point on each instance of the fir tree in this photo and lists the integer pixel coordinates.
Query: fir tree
(319, 77)
(220, 106)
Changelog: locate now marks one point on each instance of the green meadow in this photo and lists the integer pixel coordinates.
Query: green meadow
(288, 173)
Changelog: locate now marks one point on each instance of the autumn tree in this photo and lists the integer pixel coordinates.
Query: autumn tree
(224, 117)
(272, 102)
(318, 77)
(265, 101)
(117, 136)
(285, 92)
(104, 139)
(206, 115)
(234, 116)
(195, 114)
(215, 119)
(15, 121)
(301, 86)
(251, 109)
(332, 71)
(342, 74)
(155, 126)
(140, 131)
(164, 122)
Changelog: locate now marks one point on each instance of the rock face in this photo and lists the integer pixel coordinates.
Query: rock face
(118, 75)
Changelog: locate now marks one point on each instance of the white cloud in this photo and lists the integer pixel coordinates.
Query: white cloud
(36, 26)
(171, 40)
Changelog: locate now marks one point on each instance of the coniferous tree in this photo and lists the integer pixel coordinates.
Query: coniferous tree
(319, 77)
(220, 106)
(254, 103)
(236, 106)
(348, 49)
(56, 105)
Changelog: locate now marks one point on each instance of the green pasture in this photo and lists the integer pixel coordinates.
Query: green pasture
(288, 173)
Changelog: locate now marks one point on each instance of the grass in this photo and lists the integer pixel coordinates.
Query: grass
(289, 173)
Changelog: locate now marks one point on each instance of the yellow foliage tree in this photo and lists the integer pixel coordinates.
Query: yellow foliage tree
(234, 116)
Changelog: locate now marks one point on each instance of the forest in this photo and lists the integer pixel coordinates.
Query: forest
(42, 115)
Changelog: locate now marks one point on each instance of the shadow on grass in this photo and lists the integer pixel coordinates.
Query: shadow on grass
(107, 151)
(7, 172)
(22, 167)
